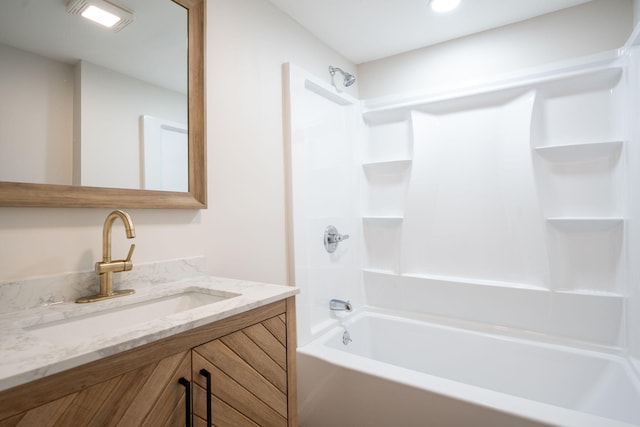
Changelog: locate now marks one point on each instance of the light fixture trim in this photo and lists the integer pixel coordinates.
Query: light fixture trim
(443, 6)
(103, 12)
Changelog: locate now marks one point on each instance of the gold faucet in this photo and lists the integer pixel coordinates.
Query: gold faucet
(106, 268)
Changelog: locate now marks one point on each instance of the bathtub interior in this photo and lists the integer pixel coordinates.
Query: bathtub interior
(568, 377)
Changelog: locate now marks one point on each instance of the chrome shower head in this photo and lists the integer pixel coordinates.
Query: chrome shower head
(349, 78)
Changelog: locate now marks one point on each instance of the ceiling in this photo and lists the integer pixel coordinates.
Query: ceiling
(153, 48)
(366, 30)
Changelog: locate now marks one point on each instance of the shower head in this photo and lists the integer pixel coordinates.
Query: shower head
(349, 79)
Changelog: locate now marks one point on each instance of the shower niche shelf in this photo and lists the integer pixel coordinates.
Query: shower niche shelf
(588, 293)
(392, 220)
(388, 141)
(381, 271)
(385, 189)
(585, 223)
(586, 253)
(580, 152)
(387, 167)
(475, 281)
(578, 108)
(382, 241)
(582, 181)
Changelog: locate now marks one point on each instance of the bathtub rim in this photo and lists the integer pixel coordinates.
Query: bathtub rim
(494, 400)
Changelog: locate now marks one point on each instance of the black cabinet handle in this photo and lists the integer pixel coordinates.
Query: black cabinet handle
(207, 375)
(187, 393)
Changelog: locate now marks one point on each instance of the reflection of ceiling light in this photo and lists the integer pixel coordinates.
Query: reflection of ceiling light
(442, 6)
(103, 12)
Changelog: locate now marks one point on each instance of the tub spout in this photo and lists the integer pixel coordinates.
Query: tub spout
(339, 305)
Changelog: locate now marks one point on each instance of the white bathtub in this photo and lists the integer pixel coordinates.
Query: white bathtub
(401, 372)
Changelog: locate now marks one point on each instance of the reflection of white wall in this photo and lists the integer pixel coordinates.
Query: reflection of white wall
(36, 110)
(110, 108)
(166, 155)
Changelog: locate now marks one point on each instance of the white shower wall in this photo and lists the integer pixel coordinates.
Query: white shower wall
(322, 151)
(503, 203)
(633, 206)
(471, 209)
(514, 204)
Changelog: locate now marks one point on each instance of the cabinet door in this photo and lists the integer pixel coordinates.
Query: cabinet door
(148, 396)
(248, 371)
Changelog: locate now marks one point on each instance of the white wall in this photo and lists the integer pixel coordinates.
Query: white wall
(243, 231)
(36, 117)
(110, 108)
(248, 41)
(582, 30)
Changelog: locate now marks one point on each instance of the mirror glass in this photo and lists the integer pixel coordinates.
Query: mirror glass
(85, 105)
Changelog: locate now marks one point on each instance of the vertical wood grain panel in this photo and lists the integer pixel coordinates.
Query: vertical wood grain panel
(246, 376)
(257, 357)
(238, 397)
(125, 391)
(269, 343)
(223, 414)
(292, 372)
(86, 404)
(145, 399)
(45, 416)
(277, 326)
(172, 398)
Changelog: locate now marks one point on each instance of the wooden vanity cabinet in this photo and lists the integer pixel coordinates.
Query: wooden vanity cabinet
(147, 396)
(249, 358)
(243, 377)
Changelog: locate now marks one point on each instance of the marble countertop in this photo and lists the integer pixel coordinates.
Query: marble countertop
(27, 356)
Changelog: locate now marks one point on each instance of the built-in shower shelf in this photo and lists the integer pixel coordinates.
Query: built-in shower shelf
(580, 152)
(590, 293)
(389, 167)
(585, 223)
(382, 271)
(386, 115)
(383, 219)
(475, 281)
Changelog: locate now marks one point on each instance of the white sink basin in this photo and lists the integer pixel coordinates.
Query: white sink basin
(76, 329)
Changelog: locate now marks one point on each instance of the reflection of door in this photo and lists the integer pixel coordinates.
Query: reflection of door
(165, 159)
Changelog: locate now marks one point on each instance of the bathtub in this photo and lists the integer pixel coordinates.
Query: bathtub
(400, 371)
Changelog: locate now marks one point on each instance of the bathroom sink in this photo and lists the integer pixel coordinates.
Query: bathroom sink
(76, 329)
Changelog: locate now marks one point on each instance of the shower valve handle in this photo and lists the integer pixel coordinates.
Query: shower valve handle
(337, 238)
(332, 238)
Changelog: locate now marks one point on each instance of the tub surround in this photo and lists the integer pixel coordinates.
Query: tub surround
(507, 205)
(27, 357)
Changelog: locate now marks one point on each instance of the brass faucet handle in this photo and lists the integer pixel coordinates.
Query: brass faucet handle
(130, 254)
(128, 265)
(117, 265)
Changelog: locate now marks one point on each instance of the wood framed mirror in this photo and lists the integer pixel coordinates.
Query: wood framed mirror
(54, 195)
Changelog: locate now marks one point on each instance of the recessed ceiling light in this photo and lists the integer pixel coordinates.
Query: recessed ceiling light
(442, 6)
(100, 16)
(102, 12)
